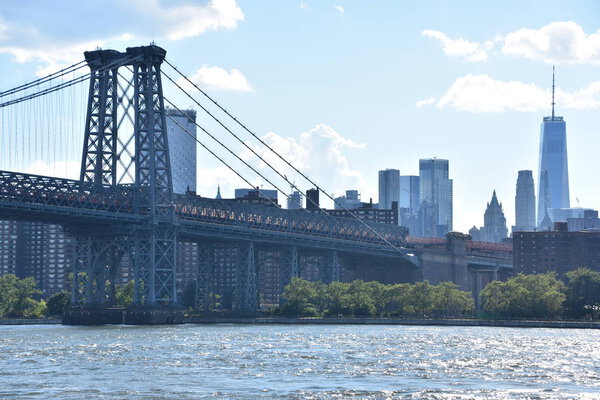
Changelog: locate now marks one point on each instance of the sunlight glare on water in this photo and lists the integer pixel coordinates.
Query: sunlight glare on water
(297, 362)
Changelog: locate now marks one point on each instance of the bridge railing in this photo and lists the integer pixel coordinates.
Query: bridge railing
(261, 217)
(36, 189)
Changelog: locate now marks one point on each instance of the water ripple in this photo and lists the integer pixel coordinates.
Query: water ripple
(297, 362)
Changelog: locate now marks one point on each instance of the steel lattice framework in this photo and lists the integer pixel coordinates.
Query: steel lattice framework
(145, 219)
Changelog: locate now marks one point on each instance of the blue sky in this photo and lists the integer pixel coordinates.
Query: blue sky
(345, 88)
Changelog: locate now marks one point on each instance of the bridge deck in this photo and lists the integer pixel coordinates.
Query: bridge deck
(74, 203)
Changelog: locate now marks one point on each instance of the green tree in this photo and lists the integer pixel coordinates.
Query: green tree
(300, 298)
(361, 299)
(8, 294)
(422, 298)
(451, 301)
(399, 296)
(58, 302)
(338, 299)
(124, 294)
(16, 297)
(583, 292)
(524, 296)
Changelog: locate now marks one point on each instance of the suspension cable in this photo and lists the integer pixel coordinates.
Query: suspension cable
(54, 75)
(293, 185)
(74, 81)
(282, 158)
(229, 150)
(219, 158)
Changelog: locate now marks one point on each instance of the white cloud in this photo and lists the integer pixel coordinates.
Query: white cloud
(560, 42)
(425, 102)
(321, 153)
(481, 93)
(556, 43)
(215, 78)
(304, 5)
(470, 51)
(39, 39)
(187, 21)
(340, 9)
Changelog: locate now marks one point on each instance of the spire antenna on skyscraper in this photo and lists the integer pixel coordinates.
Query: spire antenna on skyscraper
(553, 103)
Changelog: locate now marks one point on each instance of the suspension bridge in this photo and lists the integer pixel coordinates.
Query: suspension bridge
(123, 204)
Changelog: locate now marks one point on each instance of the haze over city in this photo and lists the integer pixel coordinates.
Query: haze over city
(347, 88)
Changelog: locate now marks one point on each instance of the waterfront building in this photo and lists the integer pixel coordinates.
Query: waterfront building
(8, 247)
(369, 212)
(553, 183)
(525, 202)
(389, 188)
(38, 250)
(435, 194)
(267, 197)
(558, 251)
(181, 133)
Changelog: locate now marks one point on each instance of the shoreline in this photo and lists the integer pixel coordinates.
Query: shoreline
(395, 321)
(349, 321)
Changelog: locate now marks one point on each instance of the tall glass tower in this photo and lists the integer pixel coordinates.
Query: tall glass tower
(436, 197)
(553, 183)
(389, 188)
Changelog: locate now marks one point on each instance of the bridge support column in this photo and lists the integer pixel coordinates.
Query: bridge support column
(333, 270)
(205, 296)
(154, 263)
(246, 299)
(95, 268)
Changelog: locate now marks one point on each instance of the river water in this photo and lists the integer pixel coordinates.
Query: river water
(297, 362)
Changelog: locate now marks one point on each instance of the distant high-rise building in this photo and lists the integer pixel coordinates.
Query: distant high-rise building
(39, 250)
(312, 199)
(553, 183)
(409, 192)
(294, 201)
(409, 203)
(350, 201)
(389, 188)
(525, 202)
(181, 133)
(494, 222)
(267, 197)
(435, 209)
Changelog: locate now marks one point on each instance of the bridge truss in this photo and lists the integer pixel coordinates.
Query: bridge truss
(144, 220)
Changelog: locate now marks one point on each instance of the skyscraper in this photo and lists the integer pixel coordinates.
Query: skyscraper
(494, 222)
(389, 188)
(181, 132)
(525, 202)
(409, 192)
(409, 203)
(294, 201)
(436, 197)
(553, 183)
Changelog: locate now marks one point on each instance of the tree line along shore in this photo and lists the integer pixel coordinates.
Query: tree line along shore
(537, 296)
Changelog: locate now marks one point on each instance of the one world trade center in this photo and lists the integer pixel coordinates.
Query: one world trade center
(553, 183)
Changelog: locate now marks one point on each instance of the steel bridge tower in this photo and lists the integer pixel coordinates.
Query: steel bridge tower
(151, 246)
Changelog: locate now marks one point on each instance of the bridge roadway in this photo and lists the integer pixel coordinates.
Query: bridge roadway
(72, 203)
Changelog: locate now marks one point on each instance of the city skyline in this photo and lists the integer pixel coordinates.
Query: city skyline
(415, 75)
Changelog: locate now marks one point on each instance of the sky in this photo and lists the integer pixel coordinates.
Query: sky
(346, 88)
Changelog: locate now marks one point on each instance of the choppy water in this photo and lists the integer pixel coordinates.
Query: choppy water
(297, 362)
